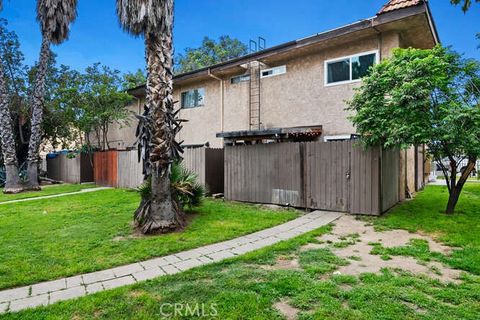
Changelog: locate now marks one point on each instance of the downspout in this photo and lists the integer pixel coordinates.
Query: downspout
(380, 39)
(380, 158)
(222, 98)
(138, 104)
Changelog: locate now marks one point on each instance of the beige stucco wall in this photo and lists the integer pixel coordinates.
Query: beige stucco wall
(300, 97)
(296, 98)
(203, 122)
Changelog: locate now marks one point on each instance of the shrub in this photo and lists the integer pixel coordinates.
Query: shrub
(187, 192)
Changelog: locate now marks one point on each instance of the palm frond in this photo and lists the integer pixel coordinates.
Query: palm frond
(145, 16)
(187, 192)
(55, 17)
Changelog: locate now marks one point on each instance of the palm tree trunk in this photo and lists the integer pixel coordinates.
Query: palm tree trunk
(160, 213)
(12, 183)
(37, 116)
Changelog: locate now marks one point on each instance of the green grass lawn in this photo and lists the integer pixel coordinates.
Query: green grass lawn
(425, 213)
(52, 238)
(46, 191)
(247, 287)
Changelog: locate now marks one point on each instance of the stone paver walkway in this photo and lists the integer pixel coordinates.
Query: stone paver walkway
(56, 196)
(74, 287)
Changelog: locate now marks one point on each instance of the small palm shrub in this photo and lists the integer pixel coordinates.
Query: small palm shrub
(187, 192)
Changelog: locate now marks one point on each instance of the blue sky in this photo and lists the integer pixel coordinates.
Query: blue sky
(97, 37)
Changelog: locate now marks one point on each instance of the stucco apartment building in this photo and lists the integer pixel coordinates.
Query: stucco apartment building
(301, 86)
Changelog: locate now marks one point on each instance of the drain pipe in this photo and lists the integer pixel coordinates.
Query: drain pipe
(222, 98)
(380, 39)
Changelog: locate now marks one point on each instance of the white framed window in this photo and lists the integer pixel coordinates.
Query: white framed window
(193, 98)
(273, 72)
(238, 79)
(349, 69)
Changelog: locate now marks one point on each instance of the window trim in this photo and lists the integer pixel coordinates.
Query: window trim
(193, 89)
(284, 70)
(327, 62)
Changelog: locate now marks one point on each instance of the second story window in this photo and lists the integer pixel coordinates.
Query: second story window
(193, 98)
(349, 69)
(238, 79)
(273, 71)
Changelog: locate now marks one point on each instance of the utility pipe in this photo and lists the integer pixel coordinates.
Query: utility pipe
(222, 98)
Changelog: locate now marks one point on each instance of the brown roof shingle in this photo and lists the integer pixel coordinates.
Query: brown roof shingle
(393, 5)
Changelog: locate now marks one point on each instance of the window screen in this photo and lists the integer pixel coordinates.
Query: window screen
(193, 98)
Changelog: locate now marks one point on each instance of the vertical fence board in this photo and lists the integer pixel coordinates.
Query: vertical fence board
(129, 169)
(338, 176)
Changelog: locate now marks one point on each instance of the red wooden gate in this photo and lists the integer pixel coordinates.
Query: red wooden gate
(105, 168)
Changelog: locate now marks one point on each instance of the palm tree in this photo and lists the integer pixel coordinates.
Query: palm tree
(12, 183)
(55, 17)
(153, 19)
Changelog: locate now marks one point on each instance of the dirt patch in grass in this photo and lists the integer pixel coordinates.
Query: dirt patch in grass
(414, 307)
(354, 238)
(289, 312)
(284, 263)
(313, 246)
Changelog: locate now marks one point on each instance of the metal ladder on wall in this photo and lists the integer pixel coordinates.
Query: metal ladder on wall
(254, 103)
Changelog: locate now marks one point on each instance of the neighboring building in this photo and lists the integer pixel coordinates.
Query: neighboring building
(303, 83)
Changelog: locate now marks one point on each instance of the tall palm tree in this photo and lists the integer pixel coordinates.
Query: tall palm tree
(153, 19)
(55, 17)
(12, 183)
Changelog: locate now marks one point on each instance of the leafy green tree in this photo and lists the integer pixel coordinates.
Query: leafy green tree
(99, 101)
(466, 4)
(134, 79)
(59, 122)
(426, 97)
(210, 53)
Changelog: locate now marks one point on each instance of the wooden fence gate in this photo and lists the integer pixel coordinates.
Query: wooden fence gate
(105, 168)
(335, 176)
(327, 175)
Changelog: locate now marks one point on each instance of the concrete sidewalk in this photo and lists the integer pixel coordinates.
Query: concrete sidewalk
(57, 195)
(74, 287)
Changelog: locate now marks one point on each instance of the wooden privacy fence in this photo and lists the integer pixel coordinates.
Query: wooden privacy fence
(70, 170)
(121, 168)
(129, 170)
(207, 163)
(336, 176)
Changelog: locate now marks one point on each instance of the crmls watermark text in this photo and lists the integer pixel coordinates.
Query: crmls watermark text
(188, 310)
